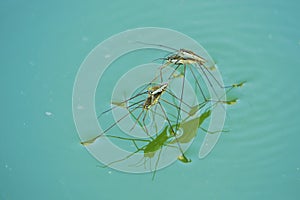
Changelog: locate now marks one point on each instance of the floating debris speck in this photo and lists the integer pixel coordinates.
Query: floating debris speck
(84, 38)
(80, 107)
(48, 113)
(270, 36)
(31, 63)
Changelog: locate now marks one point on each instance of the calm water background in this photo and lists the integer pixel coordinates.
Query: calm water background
(43, 45)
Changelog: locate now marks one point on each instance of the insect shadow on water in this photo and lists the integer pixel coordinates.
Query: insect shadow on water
(178, 129)
(166, 138)
(138, 107)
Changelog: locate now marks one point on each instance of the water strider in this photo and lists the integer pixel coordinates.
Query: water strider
(187, 59)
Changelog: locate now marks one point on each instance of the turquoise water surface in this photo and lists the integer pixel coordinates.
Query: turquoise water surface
(43, 45)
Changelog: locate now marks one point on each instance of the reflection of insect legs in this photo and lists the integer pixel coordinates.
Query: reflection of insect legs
(138, 107)
(154, 94)
(153, 148)
(166, 138)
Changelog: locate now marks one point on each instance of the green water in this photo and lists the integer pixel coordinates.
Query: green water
(43, 45)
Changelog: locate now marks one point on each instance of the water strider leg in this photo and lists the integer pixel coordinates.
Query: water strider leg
(181, 97)
(177, 141)
(87, 142)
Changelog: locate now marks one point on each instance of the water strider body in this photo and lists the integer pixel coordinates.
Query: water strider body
(184, 56)
(154, 94)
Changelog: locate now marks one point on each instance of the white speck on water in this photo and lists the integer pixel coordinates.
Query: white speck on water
(275, 11)
(85, 39)
(31, 63)
(48, 113)
(298, 168)
(80, 107)
(270, 36)
(107, 56)
(7, 167)
(109, 172)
